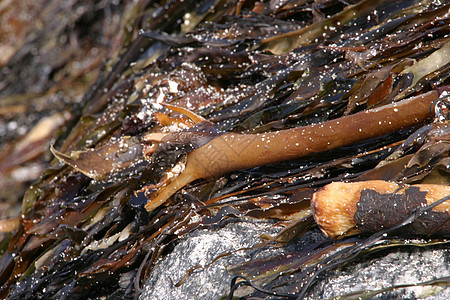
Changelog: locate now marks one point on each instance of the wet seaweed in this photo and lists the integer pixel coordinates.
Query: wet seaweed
(245, 67)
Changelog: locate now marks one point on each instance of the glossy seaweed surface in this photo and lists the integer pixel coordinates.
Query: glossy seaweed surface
(244, 67)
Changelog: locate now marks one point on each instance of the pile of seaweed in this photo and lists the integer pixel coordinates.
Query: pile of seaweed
(245, 67)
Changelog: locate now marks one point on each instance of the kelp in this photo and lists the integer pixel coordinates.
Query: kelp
(185, 74)
(370, 206)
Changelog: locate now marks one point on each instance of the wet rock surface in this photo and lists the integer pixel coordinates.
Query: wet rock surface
(403, 267)
(371, 273)
(199, 249)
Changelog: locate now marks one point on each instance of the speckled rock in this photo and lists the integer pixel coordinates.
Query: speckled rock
(375, 272)
(405, 267)
(200, 248)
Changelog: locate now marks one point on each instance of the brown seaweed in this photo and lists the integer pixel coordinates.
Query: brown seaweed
(231, 152)
(371, 206)
(249, 69)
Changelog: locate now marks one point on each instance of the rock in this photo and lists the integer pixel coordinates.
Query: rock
(405, 266)
(201, 248)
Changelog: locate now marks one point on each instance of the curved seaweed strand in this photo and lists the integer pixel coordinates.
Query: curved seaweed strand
(245, 281)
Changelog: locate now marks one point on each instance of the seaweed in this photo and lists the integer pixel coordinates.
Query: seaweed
(153, 83)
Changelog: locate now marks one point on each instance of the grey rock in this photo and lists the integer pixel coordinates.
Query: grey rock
(200, 248)
(406, 266)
